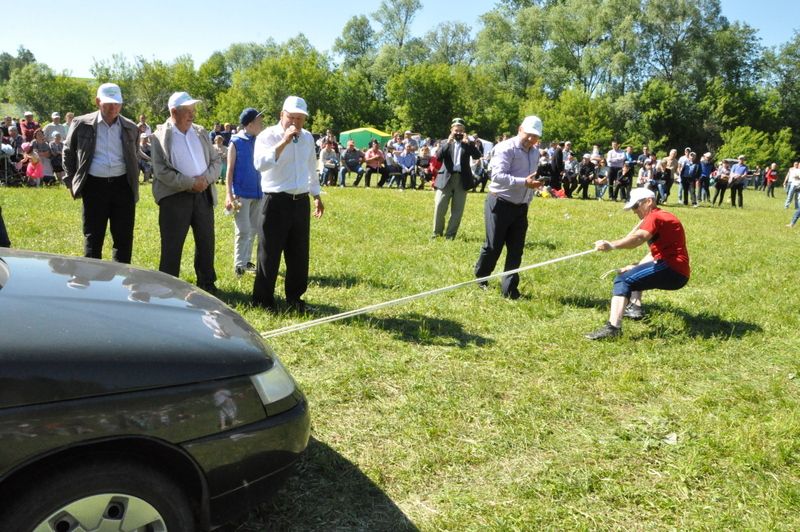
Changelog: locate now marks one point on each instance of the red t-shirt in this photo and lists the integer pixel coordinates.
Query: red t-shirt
(668, 240)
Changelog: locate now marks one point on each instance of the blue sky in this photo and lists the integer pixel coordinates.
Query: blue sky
(70, 38)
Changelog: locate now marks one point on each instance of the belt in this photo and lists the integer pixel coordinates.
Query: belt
(109, 179)
(286, 195)
(501, 200)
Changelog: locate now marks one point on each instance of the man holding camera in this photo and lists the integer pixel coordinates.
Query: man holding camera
(452, 184)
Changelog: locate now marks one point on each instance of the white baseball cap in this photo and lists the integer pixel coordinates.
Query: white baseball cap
(637, 195)
(109, 93)
(55, 115)
(532, 125)
(295, 104)
(180, 99)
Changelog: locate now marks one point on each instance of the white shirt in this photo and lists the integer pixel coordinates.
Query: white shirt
(187, 153)
(108, 159)
(295, 171)
(456, 156)
(615, 158)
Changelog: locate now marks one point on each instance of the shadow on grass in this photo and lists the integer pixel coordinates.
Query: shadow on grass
(344, 281)
(421, 329)
(327, 492)
(696, 325)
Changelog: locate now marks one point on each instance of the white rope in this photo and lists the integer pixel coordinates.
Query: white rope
(350, 313)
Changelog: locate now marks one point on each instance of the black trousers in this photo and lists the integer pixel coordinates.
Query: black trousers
(4, 241)
(108, 200)
(285, 231)
(177, 213)
(368, 176)
(506, 225)
(736, 190)
(613, 173)
(719, 191)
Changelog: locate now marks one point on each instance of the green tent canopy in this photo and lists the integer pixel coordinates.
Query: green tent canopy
(361, 136)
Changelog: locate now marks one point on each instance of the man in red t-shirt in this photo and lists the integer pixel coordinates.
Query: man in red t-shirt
(665, 267)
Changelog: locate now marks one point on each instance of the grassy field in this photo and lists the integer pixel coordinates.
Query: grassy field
(466, 411)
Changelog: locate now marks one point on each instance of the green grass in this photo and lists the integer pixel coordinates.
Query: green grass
(465, 411)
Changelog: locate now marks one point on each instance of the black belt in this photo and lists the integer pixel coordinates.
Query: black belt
(286, 195)
(501, 200)
(109, 179)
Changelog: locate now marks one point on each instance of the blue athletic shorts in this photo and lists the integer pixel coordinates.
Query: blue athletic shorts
(647, 277)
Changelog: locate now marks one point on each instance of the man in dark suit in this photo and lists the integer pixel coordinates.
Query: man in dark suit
(454, 180)
(557, 167)
(102, 168)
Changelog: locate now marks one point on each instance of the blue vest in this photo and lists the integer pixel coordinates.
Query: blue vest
(246, 179)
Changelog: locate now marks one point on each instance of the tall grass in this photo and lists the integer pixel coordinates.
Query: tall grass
(466, 411)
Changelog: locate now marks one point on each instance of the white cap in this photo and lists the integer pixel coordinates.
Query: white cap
(28, 113)
(295, 104)
(532, 125)
(109, 93)
(637, 195)
(55, 115)
(180, 99)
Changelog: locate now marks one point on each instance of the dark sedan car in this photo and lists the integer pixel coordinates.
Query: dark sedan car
(131, 400)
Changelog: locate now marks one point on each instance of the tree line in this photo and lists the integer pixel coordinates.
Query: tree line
(665, 73)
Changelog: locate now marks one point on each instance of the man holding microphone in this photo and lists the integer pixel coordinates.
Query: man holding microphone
(285, 156)
(514, 166)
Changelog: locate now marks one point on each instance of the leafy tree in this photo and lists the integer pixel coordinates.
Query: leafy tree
(395, 17)
(37, 88)
(9, 63)
(425, 98)
(356, 44)
(450, 43)
(212, 78)
(241, 56)
(297, 68)
(744, 140)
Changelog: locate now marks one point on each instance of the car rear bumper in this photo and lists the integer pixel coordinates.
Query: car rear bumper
(244, 465)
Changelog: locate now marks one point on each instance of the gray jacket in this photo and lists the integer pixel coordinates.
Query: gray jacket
(79, 150)
(166, 178)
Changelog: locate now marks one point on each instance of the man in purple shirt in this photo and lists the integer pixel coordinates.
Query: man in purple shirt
(514, 166)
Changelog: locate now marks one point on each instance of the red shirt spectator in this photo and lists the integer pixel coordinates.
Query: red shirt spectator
(28, 126)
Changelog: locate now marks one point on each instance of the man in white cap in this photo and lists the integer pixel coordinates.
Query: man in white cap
(285, 156)
(54, 127)
(101, 168)
(514, 166)
(452, 184)
(185, 168)
(665, 267)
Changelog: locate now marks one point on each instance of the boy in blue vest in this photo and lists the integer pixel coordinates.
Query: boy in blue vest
(244, 197)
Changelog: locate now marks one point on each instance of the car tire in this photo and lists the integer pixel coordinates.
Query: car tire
(123, 494)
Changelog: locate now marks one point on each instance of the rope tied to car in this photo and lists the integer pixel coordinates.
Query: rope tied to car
(371, 308)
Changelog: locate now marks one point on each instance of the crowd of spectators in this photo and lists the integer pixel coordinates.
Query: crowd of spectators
(32, 156)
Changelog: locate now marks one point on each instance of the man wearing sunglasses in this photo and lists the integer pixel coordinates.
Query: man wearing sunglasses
(665, 267)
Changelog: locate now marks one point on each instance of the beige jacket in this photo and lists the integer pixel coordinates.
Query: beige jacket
(166, 179)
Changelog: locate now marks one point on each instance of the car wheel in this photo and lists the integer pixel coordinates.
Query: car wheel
(104, 496)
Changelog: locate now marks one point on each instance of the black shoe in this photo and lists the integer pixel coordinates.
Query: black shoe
(239, 271)
(606, 331)
(633, 312)
(299, 306)
(269, 306)
(211, 288)
(250, 267)
(483, 285)
(512, 294)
